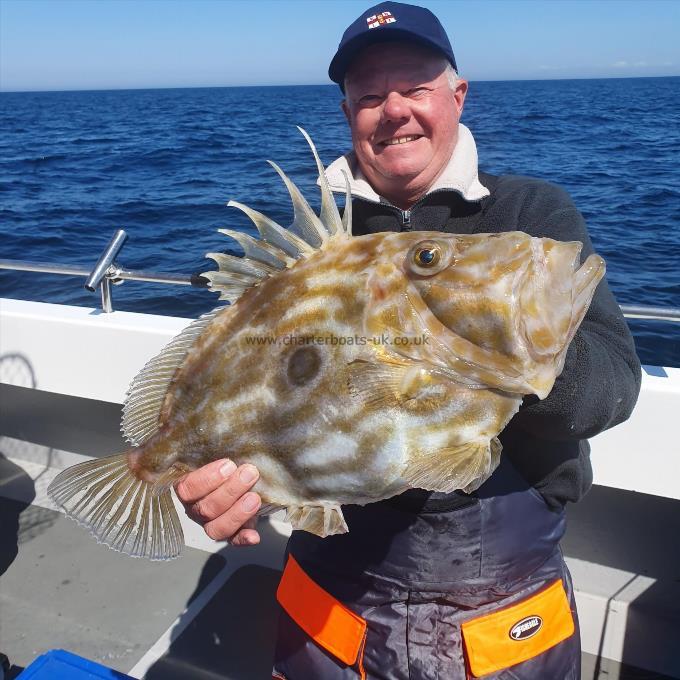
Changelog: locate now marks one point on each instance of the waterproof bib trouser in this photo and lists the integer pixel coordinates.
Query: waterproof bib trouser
(469, 587)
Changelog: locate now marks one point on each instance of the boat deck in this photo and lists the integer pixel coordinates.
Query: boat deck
(65, 591)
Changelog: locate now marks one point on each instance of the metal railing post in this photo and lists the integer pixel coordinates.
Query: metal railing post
(99, 276)
(107, 304)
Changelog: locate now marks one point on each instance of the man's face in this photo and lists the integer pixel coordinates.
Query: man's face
(403, 116)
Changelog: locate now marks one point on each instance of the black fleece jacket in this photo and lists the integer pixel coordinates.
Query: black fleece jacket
(598, 388)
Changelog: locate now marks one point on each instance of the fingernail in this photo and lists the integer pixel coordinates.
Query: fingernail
(228, 468)
(248, 474)
(250, 501)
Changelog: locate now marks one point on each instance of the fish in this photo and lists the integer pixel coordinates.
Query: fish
(348, 369)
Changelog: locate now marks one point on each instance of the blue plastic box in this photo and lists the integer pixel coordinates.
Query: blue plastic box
(60, 665)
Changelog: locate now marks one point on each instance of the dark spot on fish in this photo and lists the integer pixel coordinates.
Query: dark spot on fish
(303, 365)
(65, 582)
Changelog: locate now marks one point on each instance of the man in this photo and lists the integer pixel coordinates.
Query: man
(429, 585)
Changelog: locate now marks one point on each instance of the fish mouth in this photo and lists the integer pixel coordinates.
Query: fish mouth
(400, 139)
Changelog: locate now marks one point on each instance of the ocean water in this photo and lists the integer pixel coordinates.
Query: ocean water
(162, 164)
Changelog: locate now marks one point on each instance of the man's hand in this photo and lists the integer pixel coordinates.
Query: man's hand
(217, 497)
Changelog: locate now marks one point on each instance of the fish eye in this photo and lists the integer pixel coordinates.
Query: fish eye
(427, 256)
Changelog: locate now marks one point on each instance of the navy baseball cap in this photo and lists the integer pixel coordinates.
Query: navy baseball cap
(387, 22)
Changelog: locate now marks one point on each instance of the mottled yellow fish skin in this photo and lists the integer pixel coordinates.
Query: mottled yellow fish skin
(285, 406)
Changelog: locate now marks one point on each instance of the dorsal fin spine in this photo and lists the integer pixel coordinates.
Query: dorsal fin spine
(305, 221)
(347, 214)
(241, 265)
(260, 250)
(290, 243)
(330, 216)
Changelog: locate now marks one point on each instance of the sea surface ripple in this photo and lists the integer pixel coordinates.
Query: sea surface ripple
(162, 164)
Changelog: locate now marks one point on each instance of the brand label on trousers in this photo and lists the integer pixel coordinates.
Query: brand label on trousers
(526, 628)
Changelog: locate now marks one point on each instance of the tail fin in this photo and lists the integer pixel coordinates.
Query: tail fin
(129, 515)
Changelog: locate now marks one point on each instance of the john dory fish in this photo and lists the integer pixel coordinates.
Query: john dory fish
(457, 329)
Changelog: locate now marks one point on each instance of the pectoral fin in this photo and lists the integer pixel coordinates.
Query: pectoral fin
(464, 467)
(385, 384)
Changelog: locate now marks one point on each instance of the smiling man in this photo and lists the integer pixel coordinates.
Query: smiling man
(403, 106)
(429, 585)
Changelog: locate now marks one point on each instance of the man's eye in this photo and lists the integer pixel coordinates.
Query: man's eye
(369, 99)
(415, 91)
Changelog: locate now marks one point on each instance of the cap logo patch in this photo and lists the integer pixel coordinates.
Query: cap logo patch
(381, 19)
(526, 628)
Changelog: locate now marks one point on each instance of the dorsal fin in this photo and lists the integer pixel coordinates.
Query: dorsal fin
(146, 393)
(241, 265)
(236, 274)
(305, 224)
(231, 285)
(279, 248)
(330, 216)
(274, 234)
(260, 250)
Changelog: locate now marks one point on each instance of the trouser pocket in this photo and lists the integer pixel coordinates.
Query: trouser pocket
(501, 642)
(319, 637)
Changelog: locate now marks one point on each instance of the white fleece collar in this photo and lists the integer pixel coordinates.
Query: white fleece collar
(459, 175)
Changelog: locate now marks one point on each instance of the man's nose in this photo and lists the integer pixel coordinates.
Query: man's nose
(395, 108)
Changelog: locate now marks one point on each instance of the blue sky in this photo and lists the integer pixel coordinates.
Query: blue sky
(101, 44)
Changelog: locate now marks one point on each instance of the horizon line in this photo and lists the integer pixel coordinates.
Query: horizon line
(220, 87)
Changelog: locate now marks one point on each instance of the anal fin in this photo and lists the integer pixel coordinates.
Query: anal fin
(322, 520)
(465, 467)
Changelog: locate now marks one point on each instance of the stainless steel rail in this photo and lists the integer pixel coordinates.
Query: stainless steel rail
(115, 274)
(651, 313)
(99, 276)
(106, 272)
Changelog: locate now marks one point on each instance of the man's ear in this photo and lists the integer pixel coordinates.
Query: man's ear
(345, 109)
(459, 94)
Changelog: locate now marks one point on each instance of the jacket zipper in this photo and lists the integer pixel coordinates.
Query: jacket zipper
(405, 215)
